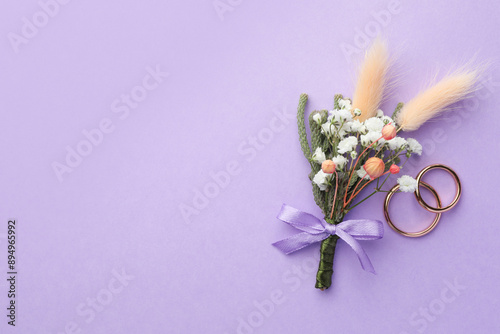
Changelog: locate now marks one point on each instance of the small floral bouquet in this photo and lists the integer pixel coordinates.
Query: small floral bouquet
(348, 156)
(355, 145)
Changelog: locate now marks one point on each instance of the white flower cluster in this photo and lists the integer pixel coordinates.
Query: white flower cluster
(414, 146)
(407, 184)
(321, 179)
(347, 144)
(319, 155)
(340, 126)
(349, 137)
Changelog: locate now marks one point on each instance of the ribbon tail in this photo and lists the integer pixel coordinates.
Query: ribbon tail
(366, 264)
(299, 241)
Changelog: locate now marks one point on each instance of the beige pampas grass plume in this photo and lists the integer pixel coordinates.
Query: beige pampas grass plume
(429, 103)
(372, 79)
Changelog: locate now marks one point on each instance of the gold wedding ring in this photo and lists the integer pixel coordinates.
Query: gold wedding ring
(411, 234)
(437, 210)
(457, 183)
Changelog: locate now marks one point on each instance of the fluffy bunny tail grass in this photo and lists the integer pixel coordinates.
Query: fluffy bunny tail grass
(372, 79)
(429, 103)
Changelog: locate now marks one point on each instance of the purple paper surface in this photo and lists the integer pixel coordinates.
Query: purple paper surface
(147, 147)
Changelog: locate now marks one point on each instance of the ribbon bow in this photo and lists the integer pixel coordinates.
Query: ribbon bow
(316, 230)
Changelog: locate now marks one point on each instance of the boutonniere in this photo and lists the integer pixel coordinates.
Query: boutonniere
(355, 145)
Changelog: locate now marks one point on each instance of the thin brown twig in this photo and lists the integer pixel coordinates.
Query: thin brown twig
(356, 194)
(336, 190)
(354, 167)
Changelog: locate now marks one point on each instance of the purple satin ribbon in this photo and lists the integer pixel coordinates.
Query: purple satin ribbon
(316, 230)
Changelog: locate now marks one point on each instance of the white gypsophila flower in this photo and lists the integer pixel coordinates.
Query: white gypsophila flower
(345, 104)
(380, 113)
(347, 144)
(414, 146)
(319, 155)
(345, 114)
(339, 161)
(374, 124)
(340, 115)
(346, 127)
(321, 179)
(372, 136)
(356, 126)
(354, 155)
(357, 112)
(362, 173)
(407, 184)
(317, 118)
(396, 143)
(327, 128)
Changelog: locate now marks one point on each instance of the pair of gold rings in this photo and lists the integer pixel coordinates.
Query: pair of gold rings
(438, 210)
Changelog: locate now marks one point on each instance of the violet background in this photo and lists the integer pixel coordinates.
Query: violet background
(120, 209)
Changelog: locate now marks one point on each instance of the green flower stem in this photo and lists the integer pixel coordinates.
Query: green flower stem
(397, 110)
(404, 163)
(364, 199)
(373, 193)
(386, 178)
(316, 137)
